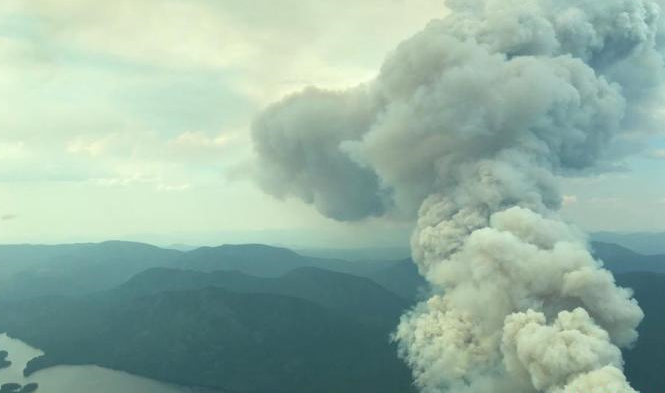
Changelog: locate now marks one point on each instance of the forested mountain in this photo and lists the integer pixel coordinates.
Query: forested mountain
(344, 292)
(157, 326)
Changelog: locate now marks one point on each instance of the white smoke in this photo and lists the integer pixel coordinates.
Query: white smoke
(506, 291)
(467, 124)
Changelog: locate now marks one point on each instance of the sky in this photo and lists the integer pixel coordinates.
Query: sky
(130, 120)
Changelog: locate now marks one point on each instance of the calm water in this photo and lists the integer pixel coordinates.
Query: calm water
(75, 379)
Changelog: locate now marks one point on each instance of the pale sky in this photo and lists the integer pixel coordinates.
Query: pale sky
(129, 119)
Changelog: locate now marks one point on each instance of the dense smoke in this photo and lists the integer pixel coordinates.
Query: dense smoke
(467, 125)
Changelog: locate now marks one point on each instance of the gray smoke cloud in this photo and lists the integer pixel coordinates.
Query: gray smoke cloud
(466, 127)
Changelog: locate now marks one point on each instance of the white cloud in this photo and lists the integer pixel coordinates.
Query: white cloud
(173, 187)
(270, 47)
(162, 82)
(12, 150)
(198, 145)
(132, 179)
(658, 154)
(603, 200)
(198, 139)
(569, 200)
(172, 33)
(92, 148)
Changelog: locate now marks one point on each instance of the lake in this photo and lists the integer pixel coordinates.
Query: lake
(75, 379)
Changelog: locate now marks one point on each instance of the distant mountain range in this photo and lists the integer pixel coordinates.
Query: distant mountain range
(648, 243)
(250, 318)
(358, 254)
(265, 261)
(32, 271)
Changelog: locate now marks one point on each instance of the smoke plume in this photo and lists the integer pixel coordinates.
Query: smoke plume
(466, 126)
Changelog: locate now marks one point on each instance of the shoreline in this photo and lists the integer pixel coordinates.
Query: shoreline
(34, 374)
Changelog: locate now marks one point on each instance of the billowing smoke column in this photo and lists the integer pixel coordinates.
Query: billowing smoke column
(467, 124)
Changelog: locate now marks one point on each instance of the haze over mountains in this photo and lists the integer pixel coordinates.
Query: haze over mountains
(648, 243)
(248, 318)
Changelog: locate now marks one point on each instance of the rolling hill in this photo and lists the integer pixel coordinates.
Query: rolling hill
(211, 337)
(344, 292)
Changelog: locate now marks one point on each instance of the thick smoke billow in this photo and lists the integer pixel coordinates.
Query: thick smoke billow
(466, 126)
